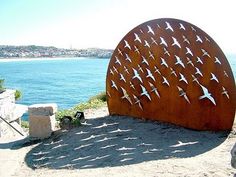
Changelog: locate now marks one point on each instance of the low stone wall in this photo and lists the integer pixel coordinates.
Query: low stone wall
(11, 112)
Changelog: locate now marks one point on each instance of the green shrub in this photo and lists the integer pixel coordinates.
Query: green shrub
(94, 102)
(25, 124)
(18, 95)
(2, 85)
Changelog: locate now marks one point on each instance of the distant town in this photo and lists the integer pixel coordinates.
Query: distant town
(33, 51)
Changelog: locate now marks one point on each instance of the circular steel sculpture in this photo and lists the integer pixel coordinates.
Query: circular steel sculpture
(172, 71)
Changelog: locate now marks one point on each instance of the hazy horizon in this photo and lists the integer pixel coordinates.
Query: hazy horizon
(83, 24)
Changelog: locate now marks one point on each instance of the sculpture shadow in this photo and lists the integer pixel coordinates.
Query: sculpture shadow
(117, 141)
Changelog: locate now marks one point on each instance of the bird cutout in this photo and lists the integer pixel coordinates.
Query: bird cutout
(179, 61)
(137, 38)
(151, 55)
(136, 75)
(207, 95)
(149, 74)
(188, 51)
(111, 72)
(158, 26)
(120, 52)
(183, 93)
(195, 79)
(132, 85)
(137, 101)
(224, 92)
(144, 61)
(173, 72)
(182, 78)
(193, 29)
(168, 26)
(165, 81)
(108, 93)
(141, 31)
(185, 39)
(153, 41)
(199, 60)
(217, 61)
(136, 49)
(205, 53)
(140, 68)
(127, 45)
(156, 70)
(181, 26)
(113, 85)
(198, 39)
(154, 89)
(117, 60)
(163, 42)
(122, 78)
(146, 44)
(225, 74)
(189, 62)
(145, 93)
(198, 72)
(166, 52)
(128, 58)
(150, 30)
(214, 78)
(163, 62)
(126, 70)
(115, 70)
(125, 95)
(208, 40)
(175, 42)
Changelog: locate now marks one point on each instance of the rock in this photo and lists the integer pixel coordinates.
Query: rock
(43, 109)
(42, 120)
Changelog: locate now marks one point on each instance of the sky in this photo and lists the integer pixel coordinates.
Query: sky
(103, 23)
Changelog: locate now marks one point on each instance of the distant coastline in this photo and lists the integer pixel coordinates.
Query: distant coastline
(39, 52)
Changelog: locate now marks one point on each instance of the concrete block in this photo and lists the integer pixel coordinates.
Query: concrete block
(41, 126)
(43, 109)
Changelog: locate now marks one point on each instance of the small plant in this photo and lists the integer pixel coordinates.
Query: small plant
(2, 89)
(24, 124)
(18, 95)
(96, 101)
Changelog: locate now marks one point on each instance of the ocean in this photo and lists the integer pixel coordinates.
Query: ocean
(67, 81)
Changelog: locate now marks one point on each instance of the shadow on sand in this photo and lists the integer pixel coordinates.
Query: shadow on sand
(116, 141)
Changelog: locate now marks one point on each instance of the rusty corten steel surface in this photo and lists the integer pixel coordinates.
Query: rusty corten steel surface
(170, 70)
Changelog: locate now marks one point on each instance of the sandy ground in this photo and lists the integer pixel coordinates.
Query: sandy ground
(120, 146)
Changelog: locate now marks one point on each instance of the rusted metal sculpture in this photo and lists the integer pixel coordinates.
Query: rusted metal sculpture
(170, 70)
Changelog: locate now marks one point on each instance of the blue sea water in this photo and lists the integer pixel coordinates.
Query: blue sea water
(64, 81)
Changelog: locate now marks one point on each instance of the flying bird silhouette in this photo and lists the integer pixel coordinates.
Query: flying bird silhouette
(115, 70)
(137, 101)
(122, 78)
(132, 85)
(195, 79)
(199, 60)
(175, 42)
(111, 72)
(179, 61)
(120, 52)
(166, 52)
(205, 53)
(151, 55)
(188, 51)
(145, 93)
(113, 85)
(183, 93)
(150, 30)
(128, 58)
(126, 96)
(163, 42)
(198, 39)
(127, 45)
(185, 39)
(140, 68)
(198, 72)
(181, 26)
(136, 75)
(163, 62)
(182, 78)
(217, 61)
(156, 70)
(149, 74)
(225, 74)
(136, 49)
(165, 81)
(193, 29)
(146, 44)
(206, 94)
(168, 26)
(137, 38)
(126, 70)
(117, 60)
(225, 92)
(214, 78)
(144, 60)
(153, 41)
(189, 62)
(173, 72)
(154, 89)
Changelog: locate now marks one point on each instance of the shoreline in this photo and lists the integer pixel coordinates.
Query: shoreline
(3, 60)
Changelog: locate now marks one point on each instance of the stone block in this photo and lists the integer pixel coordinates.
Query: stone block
(41, 126)
(43, 109)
